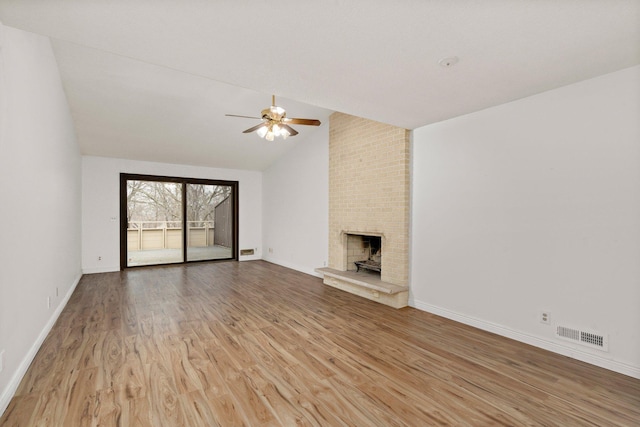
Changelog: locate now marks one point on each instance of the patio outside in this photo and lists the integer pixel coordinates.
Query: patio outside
(170, 256)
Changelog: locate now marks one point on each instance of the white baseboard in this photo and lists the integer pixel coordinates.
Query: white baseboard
(93, 270)
(300, 268)
(612, 365)
(249, 257)
(14, 382)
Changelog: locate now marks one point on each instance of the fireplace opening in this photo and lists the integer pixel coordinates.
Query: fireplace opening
(364, 253)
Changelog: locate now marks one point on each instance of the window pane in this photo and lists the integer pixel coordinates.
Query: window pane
(154, 223)
(209, 222)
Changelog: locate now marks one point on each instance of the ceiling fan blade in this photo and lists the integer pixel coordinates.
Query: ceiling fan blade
(254, 128)
(292, 131)
(308, 122)
(245, 117)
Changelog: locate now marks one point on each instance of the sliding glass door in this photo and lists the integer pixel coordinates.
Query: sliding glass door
(168, 220)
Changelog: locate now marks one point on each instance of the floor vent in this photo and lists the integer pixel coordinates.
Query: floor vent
(589, 339)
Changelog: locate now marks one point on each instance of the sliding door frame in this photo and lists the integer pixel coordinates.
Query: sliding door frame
(124, 177)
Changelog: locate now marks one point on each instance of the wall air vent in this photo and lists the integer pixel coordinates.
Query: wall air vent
(589, 339)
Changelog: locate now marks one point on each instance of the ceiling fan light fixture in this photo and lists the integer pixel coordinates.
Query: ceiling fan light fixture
(262, 132)
(273, 130)
(269, 136)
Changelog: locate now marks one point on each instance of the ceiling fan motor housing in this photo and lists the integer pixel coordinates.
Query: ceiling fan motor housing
(274, 113)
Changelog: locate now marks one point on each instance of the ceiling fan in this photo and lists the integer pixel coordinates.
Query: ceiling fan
(276, 123)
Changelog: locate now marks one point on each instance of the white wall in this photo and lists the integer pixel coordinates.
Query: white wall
(295, 209)
(535, 205)
(101, 201)
(40, 196)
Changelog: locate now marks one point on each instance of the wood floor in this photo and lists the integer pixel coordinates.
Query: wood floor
(256, 344)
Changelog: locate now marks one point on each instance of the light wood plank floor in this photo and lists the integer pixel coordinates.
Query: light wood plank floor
(256, 344)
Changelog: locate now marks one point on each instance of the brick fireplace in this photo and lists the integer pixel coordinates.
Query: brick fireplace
(369, 196)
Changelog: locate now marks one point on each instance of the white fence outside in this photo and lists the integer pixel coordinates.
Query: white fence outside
(150, 235)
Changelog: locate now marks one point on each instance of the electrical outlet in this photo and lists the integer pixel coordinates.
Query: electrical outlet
(99, 258)
(57, 292)
(270, 250)
(545, 317)
(48, 302)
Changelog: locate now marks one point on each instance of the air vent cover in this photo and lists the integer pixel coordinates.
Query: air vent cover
(589, 339)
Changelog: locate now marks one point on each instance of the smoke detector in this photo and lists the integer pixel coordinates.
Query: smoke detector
(449, 61)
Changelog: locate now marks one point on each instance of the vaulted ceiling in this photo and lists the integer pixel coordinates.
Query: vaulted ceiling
(152, 79)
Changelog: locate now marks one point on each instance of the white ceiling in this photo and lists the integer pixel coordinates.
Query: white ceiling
(152, 79)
